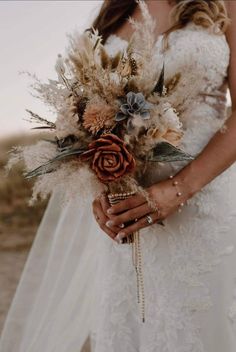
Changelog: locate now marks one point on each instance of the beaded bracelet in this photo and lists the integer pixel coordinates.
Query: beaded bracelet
(178, 193)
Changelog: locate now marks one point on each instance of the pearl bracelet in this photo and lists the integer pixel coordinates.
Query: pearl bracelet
(178, 193)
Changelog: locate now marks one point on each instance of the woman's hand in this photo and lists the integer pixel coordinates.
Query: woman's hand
(165, 194)
(100, 206)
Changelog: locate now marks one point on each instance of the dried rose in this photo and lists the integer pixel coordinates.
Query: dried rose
(110, 158)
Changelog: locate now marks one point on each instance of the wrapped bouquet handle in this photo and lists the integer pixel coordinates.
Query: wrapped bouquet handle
(134, 240)
(115, 198)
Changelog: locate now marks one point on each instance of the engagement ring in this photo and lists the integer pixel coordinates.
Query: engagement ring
(149, 219)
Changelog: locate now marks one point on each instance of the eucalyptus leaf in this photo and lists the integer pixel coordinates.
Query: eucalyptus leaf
(43, 169)
(166, 152)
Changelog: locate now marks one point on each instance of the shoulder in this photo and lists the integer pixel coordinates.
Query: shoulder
(230, 5)
(231, 9)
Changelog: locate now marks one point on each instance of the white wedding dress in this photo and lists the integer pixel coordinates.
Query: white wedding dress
(77, 282)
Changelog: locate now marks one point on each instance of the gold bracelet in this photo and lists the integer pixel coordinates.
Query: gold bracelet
(178, 193)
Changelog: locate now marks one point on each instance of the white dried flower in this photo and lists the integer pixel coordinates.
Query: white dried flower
(170, 116)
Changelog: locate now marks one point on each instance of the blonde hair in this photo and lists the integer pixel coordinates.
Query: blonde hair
(202, 12)
(113, 14)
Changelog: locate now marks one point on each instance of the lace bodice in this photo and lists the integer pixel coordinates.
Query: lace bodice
(201, 57)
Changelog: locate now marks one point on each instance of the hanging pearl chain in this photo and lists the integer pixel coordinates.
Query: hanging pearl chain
(134, 240)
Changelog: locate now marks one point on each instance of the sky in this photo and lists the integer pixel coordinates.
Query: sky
(32, 34)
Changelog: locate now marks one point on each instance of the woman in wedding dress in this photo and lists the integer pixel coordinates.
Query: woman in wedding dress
(79, 283)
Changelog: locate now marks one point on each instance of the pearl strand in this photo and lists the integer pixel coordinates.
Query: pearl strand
(134, 240)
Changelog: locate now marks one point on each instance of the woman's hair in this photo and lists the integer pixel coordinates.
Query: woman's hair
(114, 13)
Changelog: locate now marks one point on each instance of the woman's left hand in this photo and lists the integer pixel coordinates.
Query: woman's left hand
(136, 208)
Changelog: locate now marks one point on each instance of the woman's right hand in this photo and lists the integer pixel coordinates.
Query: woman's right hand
(100, 206)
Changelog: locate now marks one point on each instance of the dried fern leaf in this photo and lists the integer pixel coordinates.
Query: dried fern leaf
(36, 118)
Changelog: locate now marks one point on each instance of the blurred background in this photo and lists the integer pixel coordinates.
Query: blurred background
(32, 34)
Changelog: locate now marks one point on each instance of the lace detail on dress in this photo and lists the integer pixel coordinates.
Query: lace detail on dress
(176, 257)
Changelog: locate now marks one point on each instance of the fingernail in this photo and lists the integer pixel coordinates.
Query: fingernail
(109, 211)
(121, 234)
(118, 239)
(122, 226)
(109, 223)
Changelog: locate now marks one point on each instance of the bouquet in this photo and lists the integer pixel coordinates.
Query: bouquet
(113, 117)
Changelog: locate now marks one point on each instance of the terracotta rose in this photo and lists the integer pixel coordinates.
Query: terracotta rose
(110, 158)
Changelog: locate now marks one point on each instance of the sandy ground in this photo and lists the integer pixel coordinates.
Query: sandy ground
(11, 265)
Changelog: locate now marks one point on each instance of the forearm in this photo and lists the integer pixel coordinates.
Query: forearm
(217, 156)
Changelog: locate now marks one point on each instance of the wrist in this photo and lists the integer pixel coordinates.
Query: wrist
(188, 182)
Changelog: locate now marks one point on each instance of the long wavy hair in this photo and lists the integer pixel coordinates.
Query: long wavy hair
(114, 13)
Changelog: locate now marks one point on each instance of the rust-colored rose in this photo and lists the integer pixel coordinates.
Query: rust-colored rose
(110, 158)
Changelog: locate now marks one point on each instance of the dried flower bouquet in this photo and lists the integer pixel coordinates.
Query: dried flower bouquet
(113, 116)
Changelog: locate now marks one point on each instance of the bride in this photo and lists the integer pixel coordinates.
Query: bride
(79, 284)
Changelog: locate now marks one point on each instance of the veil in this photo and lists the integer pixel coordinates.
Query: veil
(53, 305)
